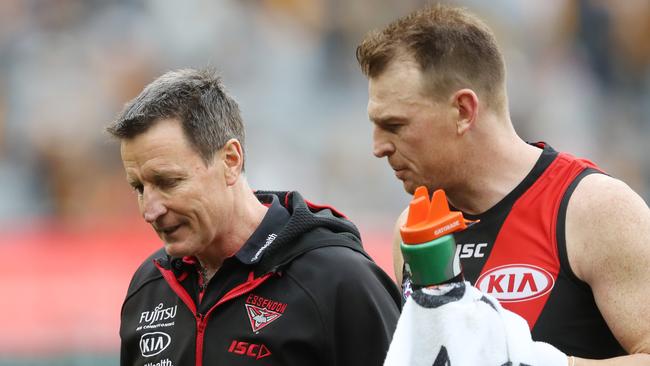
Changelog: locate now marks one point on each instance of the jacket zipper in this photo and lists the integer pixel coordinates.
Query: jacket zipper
(201, 322)
(202, 319)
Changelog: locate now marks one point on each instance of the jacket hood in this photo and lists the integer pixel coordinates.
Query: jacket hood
(297, 237)
(308, 227)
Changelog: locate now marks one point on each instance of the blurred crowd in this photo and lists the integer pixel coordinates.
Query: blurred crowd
(578, 75)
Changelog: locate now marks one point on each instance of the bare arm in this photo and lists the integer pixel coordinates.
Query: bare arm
(608, 244)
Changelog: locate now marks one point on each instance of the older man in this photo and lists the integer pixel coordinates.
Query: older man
(244, 277)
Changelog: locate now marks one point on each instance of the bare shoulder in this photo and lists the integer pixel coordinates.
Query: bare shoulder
(608, 245)
(398, 261)
(604, 217)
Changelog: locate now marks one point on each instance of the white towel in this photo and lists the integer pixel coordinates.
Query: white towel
(457, 325)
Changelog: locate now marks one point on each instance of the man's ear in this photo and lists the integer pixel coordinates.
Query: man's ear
(233, 160)
(466, 103)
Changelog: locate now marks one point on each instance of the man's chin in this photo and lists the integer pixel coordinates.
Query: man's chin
(176, 249)
(409, 187)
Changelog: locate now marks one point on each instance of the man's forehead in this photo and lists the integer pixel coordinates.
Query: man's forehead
(153, 169)
(158, 155)
(387, 101)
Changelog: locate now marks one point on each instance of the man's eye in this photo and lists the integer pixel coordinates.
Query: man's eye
(168, 183)
(392, 127)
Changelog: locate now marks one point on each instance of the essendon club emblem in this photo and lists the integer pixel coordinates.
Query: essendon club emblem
(260, 317)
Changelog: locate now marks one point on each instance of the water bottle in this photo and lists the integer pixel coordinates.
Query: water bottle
(428, 245)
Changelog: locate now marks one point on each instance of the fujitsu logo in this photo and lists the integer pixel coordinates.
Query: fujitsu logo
(153, 343)
(157, 314)
(516, 282)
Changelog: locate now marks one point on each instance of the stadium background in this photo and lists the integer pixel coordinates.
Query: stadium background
(70, 235)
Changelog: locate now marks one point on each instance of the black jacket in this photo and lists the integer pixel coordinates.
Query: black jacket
(301, 291)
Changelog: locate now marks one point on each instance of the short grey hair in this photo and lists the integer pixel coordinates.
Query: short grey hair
(197, 98)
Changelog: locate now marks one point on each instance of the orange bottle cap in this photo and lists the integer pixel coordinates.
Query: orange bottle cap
(430, 220)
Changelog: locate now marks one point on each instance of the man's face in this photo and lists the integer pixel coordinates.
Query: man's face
(183, 200)
(416, 133)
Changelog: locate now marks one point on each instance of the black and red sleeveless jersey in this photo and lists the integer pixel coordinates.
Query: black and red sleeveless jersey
(517, 254)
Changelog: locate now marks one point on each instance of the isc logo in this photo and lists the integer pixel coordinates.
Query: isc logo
(152, 344)
(470, 250)
(249, 349)
(515, 282)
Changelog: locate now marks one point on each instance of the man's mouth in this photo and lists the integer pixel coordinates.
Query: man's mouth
(399, 172)
(396, 167)
(169, 230)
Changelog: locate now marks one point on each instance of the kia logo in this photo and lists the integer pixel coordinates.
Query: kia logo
(515, 282)
(152, 344)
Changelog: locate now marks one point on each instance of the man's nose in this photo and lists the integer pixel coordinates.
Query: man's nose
(381, 146)
(152, 206)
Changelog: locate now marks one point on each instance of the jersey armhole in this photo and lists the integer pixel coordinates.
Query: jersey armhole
(561, 228)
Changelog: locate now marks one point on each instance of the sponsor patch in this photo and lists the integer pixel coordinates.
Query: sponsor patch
(516, 282)
(153, 343)
(269, 241)
(471, 250)
(165, 362)
(253, 350)
(159, 313)
(159, 317)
